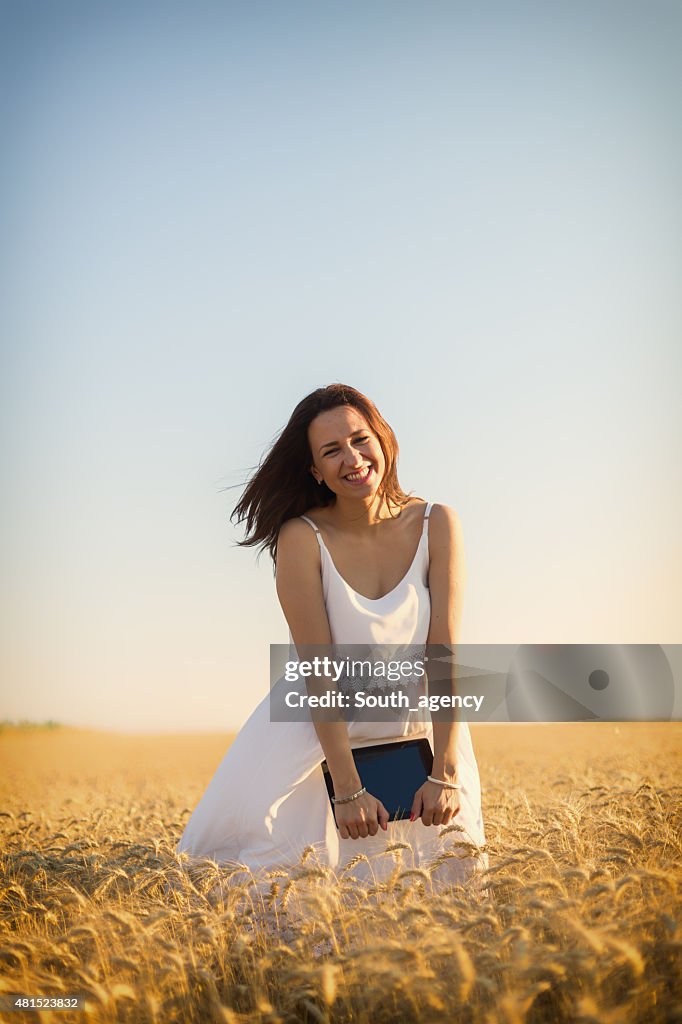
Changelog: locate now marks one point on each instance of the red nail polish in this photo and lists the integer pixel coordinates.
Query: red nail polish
(412, 817)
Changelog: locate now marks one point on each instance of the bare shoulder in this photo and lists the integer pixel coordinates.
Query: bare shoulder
(297, 543)
(445, 535)
(445, 525)
(446, 548)
(298, 583)
(296, 534)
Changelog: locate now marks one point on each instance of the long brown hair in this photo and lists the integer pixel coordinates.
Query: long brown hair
(283, 487)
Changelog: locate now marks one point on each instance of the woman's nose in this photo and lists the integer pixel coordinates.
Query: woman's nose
(352, 459)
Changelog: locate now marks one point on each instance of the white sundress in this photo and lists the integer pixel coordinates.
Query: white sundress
(268, 801)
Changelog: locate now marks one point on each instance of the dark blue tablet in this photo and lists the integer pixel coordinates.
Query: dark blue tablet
(392, 772)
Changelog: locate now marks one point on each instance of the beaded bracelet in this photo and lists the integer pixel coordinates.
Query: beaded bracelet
(347, 799)
(443, 783)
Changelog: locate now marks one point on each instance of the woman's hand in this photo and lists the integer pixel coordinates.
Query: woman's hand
(359, 818)
(434, 804)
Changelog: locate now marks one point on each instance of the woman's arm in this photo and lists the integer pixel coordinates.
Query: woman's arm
(299, 588)
(447, 579)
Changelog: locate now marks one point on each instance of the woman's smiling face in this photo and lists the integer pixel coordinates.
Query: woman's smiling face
(347, 456)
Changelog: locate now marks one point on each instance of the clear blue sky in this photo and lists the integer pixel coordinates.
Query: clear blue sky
(471, 212)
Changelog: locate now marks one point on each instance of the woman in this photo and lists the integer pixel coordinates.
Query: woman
(358, 561)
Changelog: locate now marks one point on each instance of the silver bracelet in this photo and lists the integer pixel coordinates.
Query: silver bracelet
(443, 783)
(347, 799)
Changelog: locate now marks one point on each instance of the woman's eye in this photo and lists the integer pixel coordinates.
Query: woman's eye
(358, 440)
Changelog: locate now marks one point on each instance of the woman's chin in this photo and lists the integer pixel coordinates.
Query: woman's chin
(366, 493)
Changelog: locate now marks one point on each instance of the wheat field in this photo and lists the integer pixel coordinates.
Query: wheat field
(579, 921)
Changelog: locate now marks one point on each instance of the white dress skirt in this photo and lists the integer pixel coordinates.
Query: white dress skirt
(268, 801)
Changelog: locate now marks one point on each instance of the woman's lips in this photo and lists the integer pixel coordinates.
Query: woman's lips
(367, 470)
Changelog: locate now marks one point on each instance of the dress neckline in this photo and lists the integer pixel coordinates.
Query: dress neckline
(375, 600)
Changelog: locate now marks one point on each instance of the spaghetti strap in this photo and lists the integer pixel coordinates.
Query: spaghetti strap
(311, 523)
(427, 513)
(317, 532)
